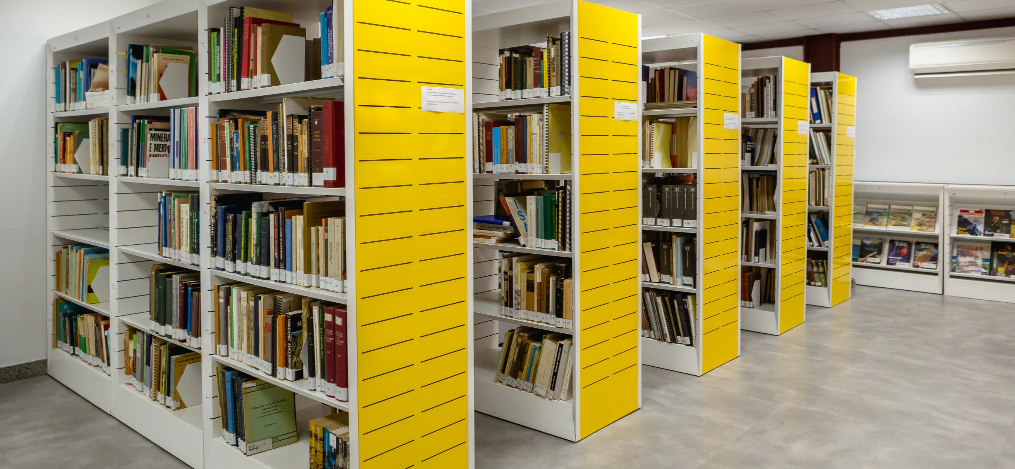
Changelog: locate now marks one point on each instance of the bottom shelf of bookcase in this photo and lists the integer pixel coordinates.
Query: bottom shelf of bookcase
(526, 409)
(180, 432)
(818, 296)
(673, 357)
(86, 380)
(980, 287)
(899, 279)
(763, 319)
(294, 456)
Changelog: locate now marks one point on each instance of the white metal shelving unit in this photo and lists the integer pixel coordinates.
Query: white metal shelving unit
(981, 287)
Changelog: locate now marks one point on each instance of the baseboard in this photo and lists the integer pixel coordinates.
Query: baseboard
(22, 371)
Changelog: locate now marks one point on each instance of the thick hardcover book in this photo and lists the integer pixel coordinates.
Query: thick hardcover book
(329, 351)
(341, 355)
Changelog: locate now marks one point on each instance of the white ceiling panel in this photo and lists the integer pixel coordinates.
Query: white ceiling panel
(814, 11)
(707, 11)
(674, 4)
(837, 20)
(962, 6)
(771, 28)
(760, 17)
(988, 14)
(855, 28)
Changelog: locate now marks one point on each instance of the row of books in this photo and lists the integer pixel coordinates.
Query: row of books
(759, 96)
(82, 148)
(988, 223)
(820, 148)
(670, 143)
(329, 441)
(179, 226)
(523, 143)
(81, 333)
(822, 105)
(817, 272)
(671, 84)
(295, 241)
(670, 259)
(673, 205)
(759, 146)
(536, 288)
(163, 371)
(539, 211)
(757, 286)
(256, 416)
(669, 317)
(159, 73)
(82, 273)
(896, 217)
(174, 308)
(74, 79)
(288, 336)
(157, 147)
(537, 71)
(758, 193)
(537, 362)
(995, 260)
(301, 143)
(757, 241)
(895, 252)
(819, 187)
(257, 48)
(817, 233)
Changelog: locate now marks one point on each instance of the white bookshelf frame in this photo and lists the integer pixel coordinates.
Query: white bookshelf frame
(983, 287)
(816, 295)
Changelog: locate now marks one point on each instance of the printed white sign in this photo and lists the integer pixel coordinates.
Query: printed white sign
(850, 131)
(623, 111)
(731, 120)
(801, 127)
(436, 99)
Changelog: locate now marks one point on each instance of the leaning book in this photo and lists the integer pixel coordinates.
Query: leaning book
(269, 416)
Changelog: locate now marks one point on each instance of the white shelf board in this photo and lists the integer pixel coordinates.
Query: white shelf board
(512, 104)
(523, 249)
(817, 248)
(533, 177)
(291, 190)
(898, 268)
(311, 292)
(101, 308)
(767, 265)
(514, 405)
(985, 239)
(180, 432)
(681, 112)
(147, 251)
(96, 111)
(141, 321)
(669, 171)
(768, 167)
(763, 319)
(222, 454)
(158, 181)
(487, 305)
(87, 381)
(759, 215)
(670, 229)
(818, 208)
(819, 166)
(93, 236)
(818, 296)
(917, 280)
(157, 105)
(298, 387)
(755, 121)
(989, 278)
(820, 126)
(887, 232)
(673, 357)
(89, 177)
(667, 286)
(270, 93)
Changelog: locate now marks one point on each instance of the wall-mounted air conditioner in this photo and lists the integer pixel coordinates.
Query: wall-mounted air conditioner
(965, 57)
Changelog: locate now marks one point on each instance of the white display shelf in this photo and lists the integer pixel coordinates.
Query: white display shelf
(817, 248)
(323, 87)
(157, 105)
(311, 292)
(818, 296)
(818, 208)
(770, 167)
(511, 105)
(897, 268)
(525, 177)
(988, 278)
(514, 405)
(669, 287)
(147, 251)
(91, 112)
(523, 249)
(677, 112)
(759, 121)
(887, 232)
(291, 190)
(179, 432)
(667, 356)
(298, 387)
(224, 455)
(487, 305)
(821, 126)
(142, 322)
(669, 229)
(158, 181)
(94, 236)
(983, 239)
(101, 308)
(762, 319)
(759, 215)
(767, 265)
(89, 177)
(88, 381)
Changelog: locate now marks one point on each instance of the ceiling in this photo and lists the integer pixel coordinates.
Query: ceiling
(762, 20)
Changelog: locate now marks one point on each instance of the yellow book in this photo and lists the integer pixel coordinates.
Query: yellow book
(559, 129)
(251, 12)
(661, 134)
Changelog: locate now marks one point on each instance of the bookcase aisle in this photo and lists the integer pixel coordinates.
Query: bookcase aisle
(555, 203)
(979, 242)
(774, 177)
(690, 204)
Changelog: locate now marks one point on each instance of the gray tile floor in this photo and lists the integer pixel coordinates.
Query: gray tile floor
(888, 380)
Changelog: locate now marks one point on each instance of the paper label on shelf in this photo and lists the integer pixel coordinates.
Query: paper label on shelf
(850, 131)
(528, 93)
(304, 179)
(330, 174)
(274, 275)
(244, 84)
(568, 324)
(690, 223)
(801, 127)
(223, 350)
(731, 120)
(625, 111)
(559, 322)
(265, 79)
(220, 263)
(230, 267)
(318, 179)
(153, 98)
(438, 99)
(662, 222)
(327, 71)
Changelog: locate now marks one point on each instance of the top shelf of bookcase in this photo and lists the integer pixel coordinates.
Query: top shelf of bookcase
(176, 20)
(516, 104)
(325, 88)
(92, 41)
(530, 17)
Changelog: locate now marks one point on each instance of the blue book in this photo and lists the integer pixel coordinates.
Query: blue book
(496, 148)
(190, 310)
(492, 220)
(326, 450)
(230, 405)
(148, 363)
(331, 34)
(289, 245)
(822, 232)
(87, 66)
(815, 107)
(324, 38)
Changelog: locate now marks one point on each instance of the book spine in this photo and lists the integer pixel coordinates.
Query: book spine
(341, 356)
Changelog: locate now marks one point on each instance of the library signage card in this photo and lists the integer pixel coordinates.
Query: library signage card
(437, 99)
(801, 127)
(731, 120)
(624, 111)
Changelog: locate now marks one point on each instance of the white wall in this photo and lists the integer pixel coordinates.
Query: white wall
(24, 28)
(933, 130)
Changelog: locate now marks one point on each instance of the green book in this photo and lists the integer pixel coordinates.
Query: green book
(269, 416)
(244, 238)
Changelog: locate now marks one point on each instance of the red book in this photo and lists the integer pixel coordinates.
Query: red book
(329, 351)
(488, 134)
(245, 59)
(334, 144)
(341, 355)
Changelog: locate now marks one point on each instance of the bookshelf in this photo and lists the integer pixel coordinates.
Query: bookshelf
(881, 274)
(836, 215)
(975, 285)
(410, 398)
(716, 180)
(604, 257)
(790, 121)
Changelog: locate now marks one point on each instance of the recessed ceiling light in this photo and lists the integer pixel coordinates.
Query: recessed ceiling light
(909, 12)
(657, 37)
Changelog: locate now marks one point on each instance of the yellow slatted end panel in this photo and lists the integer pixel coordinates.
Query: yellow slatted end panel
(720, 190)
(793, 254)
(845, 106)
(411, 243)
(609, 335)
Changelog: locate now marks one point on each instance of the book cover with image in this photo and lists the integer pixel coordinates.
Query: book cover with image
(925, 255)
(924, 219)
(900, 217)
(997, 223)
(900, 252)
(856, 249)
(970, 222)
(876, 216)
(858, 213)
(870, 250)
(1002, 259)
(969, 260)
